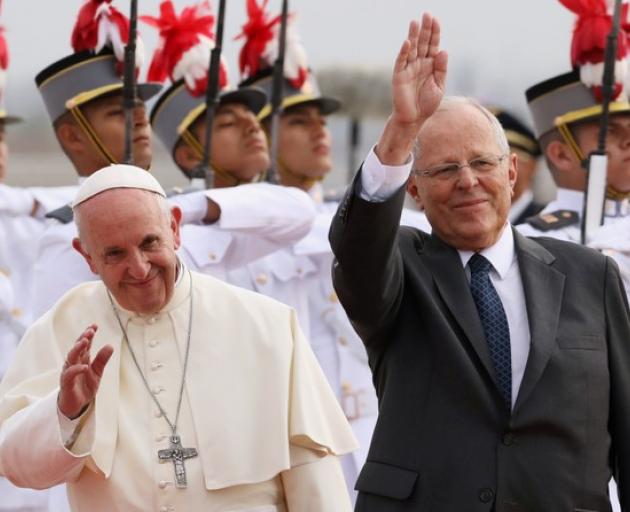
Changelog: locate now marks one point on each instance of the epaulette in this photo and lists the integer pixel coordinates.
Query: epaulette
(553, 220)
(65, 215)
(178, 191)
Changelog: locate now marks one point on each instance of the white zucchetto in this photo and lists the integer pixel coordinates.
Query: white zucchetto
(117, 176)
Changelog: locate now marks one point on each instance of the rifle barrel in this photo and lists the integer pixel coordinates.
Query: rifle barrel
(129, 82)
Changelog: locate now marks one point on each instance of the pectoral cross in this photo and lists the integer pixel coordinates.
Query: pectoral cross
(178, 455)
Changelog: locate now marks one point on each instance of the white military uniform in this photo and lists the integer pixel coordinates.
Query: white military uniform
(22, 223)
(255, 220)
(613, 238)
(256, 407)
(13, 498)
(300, 277)
(22, 231)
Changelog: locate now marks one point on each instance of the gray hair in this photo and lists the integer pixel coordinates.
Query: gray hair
(449, 102)
(162, 202)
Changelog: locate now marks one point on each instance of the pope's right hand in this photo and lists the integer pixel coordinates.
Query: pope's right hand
(80, 377)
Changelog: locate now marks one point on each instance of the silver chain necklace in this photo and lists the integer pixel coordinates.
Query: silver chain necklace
(175, 452)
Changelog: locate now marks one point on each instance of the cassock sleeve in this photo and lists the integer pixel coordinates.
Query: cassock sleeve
(32, 451)
(314, 484)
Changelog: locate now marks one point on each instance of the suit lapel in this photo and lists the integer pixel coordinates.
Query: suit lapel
(448, 274)
(543, 287)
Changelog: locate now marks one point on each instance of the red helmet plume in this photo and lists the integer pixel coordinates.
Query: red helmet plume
(588, 46)
(185, 45)
(260, 49)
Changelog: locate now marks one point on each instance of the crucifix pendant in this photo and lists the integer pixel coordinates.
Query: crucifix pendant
(178, 455)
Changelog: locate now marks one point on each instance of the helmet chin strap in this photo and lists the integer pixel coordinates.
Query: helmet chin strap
(197, 148)
(611, 192)
(91, 134)
(616, 195)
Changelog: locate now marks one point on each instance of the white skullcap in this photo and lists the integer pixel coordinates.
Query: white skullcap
(117, 176)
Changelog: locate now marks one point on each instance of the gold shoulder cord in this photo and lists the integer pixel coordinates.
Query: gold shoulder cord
(89, 131)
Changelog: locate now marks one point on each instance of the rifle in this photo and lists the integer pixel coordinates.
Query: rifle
(276, 94)
(597, 162)
(203, 175)
(129, 82)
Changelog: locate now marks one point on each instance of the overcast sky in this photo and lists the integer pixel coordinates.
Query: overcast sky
(497, 47)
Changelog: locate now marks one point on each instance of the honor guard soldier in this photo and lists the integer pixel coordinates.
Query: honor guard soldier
(256, 218)
(566, 110)
(300, 275)
(83, 96)
(523, 143)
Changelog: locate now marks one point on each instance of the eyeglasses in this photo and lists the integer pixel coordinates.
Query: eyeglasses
(480, 166)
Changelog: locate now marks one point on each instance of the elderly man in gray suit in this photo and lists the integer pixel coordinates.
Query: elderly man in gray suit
(501, 363)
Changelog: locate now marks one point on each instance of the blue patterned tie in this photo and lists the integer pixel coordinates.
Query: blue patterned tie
(494, 323)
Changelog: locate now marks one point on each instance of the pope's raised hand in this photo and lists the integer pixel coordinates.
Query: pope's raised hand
(419, 77)
(80, 376)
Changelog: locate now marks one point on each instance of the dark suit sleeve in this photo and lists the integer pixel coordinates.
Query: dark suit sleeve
(367, 271)
(618, 331)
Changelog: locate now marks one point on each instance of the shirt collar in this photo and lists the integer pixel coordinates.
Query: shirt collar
(568, 200)
(520, 204)
(501, 254)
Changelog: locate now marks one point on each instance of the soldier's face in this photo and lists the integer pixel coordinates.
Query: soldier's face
(239, 145)
(130, 242)
(4, 153)
(468, 210)
(107, 118)
(304, 142)
(617, 147)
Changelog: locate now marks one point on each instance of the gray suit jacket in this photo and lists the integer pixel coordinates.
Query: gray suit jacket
(444, 441)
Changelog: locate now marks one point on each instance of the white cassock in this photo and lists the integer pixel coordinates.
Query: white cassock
(300, 277)
(256, 406)
(613, 239)
(255, 220)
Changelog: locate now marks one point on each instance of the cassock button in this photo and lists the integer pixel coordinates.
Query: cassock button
(157, 414)
(262, 279)
(162, 484)
(153, 343)
(156, 365)
(157, 390)
(486, 495)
